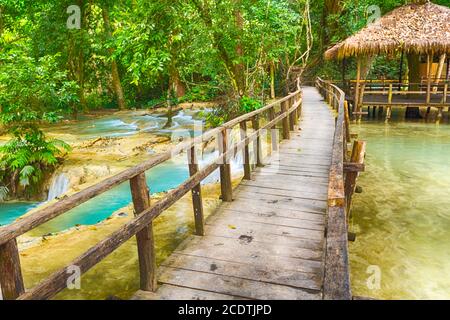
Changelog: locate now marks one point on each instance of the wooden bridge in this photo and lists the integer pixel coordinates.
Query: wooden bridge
(281, 234)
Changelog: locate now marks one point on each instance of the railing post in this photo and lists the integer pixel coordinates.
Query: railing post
(297, 100)
(358, 154)
(258, 149)
(347, 122)
(196, 193)
(225, 169)
(273, 130)
(285, 121)
(11, 280)
(291, 115)
(145, 242)
(246, 154)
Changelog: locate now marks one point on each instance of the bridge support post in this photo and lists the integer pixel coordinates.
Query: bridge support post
(291, 115)
(246, 154)
(273, 130)
(196, 193)
(11, 280)
(145, 242)
(225, 169)
(258, 149)
(285, 121)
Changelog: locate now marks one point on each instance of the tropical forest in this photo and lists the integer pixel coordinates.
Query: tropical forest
(217, 149)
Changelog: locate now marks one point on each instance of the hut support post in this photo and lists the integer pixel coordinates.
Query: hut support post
(439, 71)
(358, 79)
(429, 61)
(389, 107)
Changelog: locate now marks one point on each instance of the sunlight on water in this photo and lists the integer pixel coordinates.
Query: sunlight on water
(402, 218)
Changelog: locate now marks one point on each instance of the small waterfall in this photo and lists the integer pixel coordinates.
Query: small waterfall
(59, 186)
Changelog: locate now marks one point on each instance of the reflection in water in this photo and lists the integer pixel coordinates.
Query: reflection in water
(402, 219)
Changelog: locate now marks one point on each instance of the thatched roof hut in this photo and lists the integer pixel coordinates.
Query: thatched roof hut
(413, 28)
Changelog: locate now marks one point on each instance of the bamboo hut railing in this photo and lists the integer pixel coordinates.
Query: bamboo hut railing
(342, 182)
(11, 280)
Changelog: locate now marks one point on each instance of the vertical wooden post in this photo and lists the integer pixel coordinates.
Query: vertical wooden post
(196, 192)
(291, 115)
(285, 122)
(439, 116)
(358, 154)
(429, 68)
(145, 242)
(299, 108)
(389, 107)
(258, 151)
(225, 168)
(273, 130)
(444, 98)
(246, 154)
(358, 79)
(347, 122)
(11, 280)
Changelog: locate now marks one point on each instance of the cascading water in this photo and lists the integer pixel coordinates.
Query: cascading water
(58, 186)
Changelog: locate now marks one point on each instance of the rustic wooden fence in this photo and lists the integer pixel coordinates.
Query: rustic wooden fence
(285, 111)
(342, 182)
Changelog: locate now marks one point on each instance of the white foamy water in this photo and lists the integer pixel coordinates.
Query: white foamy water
(58, 186)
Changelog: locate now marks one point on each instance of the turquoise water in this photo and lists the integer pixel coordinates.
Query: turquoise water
(9, 211)
(402, 218)
(126, 124)
(164, 177)
(161, 178)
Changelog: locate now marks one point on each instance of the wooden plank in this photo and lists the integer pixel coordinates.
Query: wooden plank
(266, 235)
(169, 292)
(337, 280)
(269, 211)
(235, 286)
(269, 220)
(272, 228)
(262, 273)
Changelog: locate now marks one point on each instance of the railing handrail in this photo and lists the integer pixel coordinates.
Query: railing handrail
(336, 278)
(145, 214)
(46, 214)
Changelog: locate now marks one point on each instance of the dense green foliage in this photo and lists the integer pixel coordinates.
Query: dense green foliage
(146, 53)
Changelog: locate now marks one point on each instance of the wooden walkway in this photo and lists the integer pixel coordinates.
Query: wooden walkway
(269, 242)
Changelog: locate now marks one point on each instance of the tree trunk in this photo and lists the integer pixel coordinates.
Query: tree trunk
(114, 69)
(239, 68)
(169, 109)
(272, 80)
(414, 80)
(330, 28)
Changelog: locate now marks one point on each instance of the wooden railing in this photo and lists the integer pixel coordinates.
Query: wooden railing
(11, 280)
(342, 183)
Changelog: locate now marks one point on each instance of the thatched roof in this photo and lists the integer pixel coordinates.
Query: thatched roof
(418, 28)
